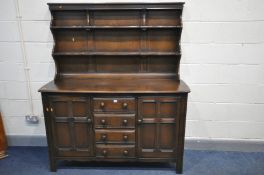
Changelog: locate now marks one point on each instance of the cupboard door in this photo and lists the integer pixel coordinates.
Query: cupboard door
(157, 121)
(71, 125)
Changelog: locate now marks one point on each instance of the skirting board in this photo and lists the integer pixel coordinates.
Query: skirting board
(244, 145)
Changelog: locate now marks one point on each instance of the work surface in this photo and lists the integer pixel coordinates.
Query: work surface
(116, 85)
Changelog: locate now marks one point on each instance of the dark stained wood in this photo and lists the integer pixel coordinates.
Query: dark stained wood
(3, 140)
(157, 115)
(114, 120)
(115, 151)
(71, 125)
(115, 136)
(117, 93)
(123, 105)
(106, 85)
(117, 53)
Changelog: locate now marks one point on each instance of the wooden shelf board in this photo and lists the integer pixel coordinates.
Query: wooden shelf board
(116, 9)
(116, 85)
(115, 27)
(117, 53)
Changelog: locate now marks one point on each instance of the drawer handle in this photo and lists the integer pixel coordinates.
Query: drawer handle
(104, 152)
(125, 137)
(104, 137)
(125, 122)
(125, 105)
(102, 104)
(125, 152)
(103, 121)
(139, 121)
(89, 120)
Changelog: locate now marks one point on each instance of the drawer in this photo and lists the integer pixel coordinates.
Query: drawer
(114, 120)
(115, 151)
(125, 105)
(115, 136)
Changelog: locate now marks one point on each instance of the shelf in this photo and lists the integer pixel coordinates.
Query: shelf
(117, 53)
(116, 85)
(61, 8)
(115, 27)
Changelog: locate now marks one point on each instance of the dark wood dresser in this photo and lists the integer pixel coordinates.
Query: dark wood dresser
(116, 95)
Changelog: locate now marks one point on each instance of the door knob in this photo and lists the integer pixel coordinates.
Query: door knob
(104, 152)
(102, 104)
(89, 120)
(103, 121)
(125, 137)
(125, 152)
(103, 137)
(125, 105)
(125, 122)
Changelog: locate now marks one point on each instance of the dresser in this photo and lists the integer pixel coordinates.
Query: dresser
(116, 95)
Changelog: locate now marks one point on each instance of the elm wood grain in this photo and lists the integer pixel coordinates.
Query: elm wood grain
(115, 151)
(117, 53)
(69, 18)
(159, 112)
(116, 64)
(115, 6)
(100, 85)
(127, 40)
(117, 94)
(114, 121)
(157, 115)
(115, 136)
(114, 27)
(71, 125)
(115, 104)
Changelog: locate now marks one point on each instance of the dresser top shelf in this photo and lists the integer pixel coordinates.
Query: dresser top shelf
(143, 53)
(115, 27)
(116, 48)
(116, 85)
(116, 6)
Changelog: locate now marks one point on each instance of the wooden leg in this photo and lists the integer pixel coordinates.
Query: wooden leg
(179, 160)
(53, 165)
(179, 166)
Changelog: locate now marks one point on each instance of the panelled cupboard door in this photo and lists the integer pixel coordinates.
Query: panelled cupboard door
(157, 121)
(71, 125)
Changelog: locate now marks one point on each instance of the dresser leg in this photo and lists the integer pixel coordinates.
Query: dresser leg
(53, 165)
(179, 165)
(178, 168)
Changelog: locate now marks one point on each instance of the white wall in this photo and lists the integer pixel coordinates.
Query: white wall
(223, 62)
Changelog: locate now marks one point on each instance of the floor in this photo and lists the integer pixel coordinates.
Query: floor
(34, 160)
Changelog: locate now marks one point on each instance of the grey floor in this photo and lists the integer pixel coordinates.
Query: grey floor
(34, 160)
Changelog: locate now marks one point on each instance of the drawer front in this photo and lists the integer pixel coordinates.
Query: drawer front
(115, 136)
(115, 151)
(125, 105)
(114, 120)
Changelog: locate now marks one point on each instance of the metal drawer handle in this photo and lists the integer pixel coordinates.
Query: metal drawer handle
(125, 152)
(103, 121)
(89, 120)
(139, 121)
(125, 137)
(102, 104)
(104, 152)
(104, 137)
(125, 105)
(125, 122)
